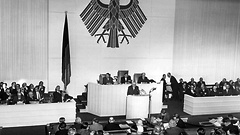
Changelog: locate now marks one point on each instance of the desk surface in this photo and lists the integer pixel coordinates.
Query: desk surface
(211, 105)
(35, 114)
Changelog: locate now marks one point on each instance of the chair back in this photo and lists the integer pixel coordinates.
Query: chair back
(136, 76)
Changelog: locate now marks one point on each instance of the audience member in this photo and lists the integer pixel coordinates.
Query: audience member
(227, 125)
(165, 116)
(62, 130)
(126, 79)
(133, 89)
(95, 125)
(232, 132)
(13, 89)
(218, 131)
(192, 91)
(179, 121)
(174, 86)
(173, 129)
(203, 91)
(61, 120)
(72, 131)
(182, 90)
(57, 95)
(232, 119)
(78, 124)
(191, 82)
(38, 94)
(41, 87)
(221, 84)
(143, 79)
(19, 98)
(31, 88)
(108, 80)
(84, 130)
(7, 97)
(237, 86)
(30, 97)
(111, 125)
(140, 128)
(200, 82)
(215, 90)
(180, 81)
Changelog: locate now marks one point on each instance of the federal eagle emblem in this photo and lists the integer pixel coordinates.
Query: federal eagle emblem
(115, 15)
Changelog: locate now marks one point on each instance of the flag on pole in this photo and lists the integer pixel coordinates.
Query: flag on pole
(66, 64)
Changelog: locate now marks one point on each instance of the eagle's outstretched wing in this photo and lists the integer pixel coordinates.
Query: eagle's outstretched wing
(94, 15)
(132, 16)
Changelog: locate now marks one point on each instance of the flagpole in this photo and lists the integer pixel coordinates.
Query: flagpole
(65, 86)
(66, 67)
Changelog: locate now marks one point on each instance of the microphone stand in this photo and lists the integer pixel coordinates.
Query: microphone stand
(149, 101)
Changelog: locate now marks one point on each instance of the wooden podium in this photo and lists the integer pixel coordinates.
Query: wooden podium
(137, 107)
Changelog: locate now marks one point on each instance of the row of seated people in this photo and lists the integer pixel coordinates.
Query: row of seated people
(84, 128)
(199, 89)
(174, 125)
(17, 94)
(163, 124)
(125, 79)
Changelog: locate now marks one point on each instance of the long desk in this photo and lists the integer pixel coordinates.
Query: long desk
(36, 114)
(211, 105)
(110, 100)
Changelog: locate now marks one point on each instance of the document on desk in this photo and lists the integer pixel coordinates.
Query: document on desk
(129, 122)
(124, 126)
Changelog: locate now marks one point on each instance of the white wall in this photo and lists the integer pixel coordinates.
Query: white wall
(150, 52)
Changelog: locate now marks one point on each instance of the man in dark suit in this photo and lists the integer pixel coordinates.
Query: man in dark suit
(57, 96)
(227, 125)
(107, 80)
(174, 86)
(133, 89)
(30, 97)
(143, 79)
(164, 86)
(126, 79)
(41, 87)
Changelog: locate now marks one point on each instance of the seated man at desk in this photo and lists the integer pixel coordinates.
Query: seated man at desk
(133, 89)
(107, 80)
(126, 79)
(143, 79)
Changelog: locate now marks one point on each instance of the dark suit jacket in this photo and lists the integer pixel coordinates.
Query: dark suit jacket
(16, 99)
(42, 88)
(57, 97)
(124, 80)
(143, 80)
(111, 126)
(30, 99)
(107, 81)
(132, 91)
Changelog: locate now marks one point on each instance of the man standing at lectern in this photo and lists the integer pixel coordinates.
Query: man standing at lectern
(133, 89)
(174, 86)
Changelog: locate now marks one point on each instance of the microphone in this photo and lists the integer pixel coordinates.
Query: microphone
(152, 90)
